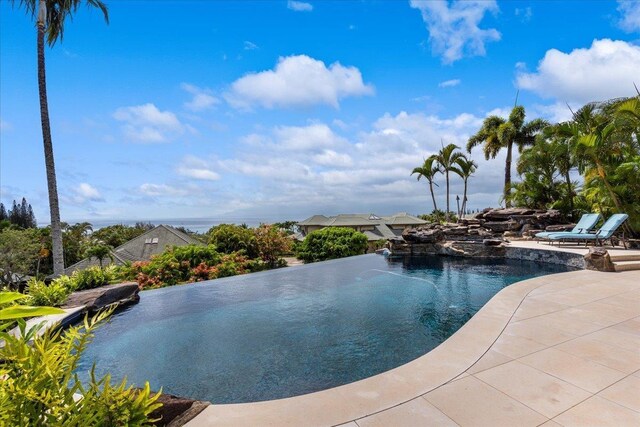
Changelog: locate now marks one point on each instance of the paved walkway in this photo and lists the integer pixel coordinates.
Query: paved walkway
(562, 349)
(569, 356)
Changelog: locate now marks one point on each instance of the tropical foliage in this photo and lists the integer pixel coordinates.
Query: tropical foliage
(497, 133)
(271, 243)
(448, 159)
(600, 144)
(52, 295)
(50, 16)
(19, 252)
(331, 243)
(230, 238)
(191, 263)
(40, 386)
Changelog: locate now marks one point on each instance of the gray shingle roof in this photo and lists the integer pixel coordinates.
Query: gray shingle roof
(141, 248)
(346, 220)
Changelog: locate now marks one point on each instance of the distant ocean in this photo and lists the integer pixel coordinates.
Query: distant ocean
(200, 225)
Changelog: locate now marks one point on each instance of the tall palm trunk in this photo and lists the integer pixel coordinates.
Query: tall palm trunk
(567, 179)
(56, 229)
(446, 174)
(433, 197)
(507, 176)
(464, 199)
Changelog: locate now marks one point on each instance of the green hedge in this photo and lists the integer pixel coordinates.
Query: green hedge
(331, 243)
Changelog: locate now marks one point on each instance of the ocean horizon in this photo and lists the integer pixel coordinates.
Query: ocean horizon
(199, 225)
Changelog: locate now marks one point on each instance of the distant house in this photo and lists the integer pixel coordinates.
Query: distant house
(373, 226)
(140, 248)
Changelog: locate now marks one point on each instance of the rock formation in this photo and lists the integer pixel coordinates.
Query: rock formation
(598, 259)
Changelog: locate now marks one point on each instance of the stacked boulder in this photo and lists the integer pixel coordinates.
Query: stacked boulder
(491, 227)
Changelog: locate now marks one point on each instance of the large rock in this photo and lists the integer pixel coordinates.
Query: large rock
(598, 259)
(502, 226)
(176, 411)
(423, 236)
(505, 214)
(95, 299)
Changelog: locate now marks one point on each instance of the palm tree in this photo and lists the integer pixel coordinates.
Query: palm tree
(447, 158)
(50, 16)
(464, 168)
(497, 133)
(428, 170)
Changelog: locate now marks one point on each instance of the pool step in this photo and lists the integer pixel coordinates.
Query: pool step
(626, 265)
(624, 257)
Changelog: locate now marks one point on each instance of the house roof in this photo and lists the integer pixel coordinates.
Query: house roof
(351, 220)
(142, 247)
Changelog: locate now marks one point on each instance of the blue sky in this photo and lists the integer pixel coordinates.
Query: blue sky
(283, 109)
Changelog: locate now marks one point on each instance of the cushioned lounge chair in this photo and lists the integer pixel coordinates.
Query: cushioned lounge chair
(585, 225)
(605, 232)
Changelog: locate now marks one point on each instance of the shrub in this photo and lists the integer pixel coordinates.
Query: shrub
(272, 243)
(38, 383)
(230, 238)
(91, 277)
(330, 243)
(53, 295)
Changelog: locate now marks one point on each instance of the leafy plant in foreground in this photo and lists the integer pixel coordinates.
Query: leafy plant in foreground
(54, 295)
(40, 386)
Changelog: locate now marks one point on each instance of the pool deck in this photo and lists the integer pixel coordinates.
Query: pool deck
(562, 349)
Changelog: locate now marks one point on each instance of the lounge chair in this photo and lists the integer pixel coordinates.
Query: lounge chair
(585, 225)
(605, 232)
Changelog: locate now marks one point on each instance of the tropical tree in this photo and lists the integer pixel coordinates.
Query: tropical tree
(428, 170)
(99, 251)
(497, 133)
(446, 159)
(50, 16)
(464, 168)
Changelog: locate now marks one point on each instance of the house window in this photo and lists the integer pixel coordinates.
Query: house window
(147, 241)
(154, 240)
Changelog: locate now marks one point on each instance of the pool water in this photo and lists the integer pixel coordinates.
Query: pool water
(297, 330)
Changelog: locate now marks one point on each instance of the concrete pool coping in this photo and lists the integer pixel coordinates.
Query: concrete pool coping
(497, 336)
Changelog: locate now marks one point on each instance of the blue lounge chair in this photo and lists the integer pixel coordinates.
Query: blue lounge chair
(605, 232)
(585, 225)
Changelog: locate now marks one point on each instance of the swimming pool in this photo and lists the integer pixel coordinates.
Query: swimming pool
(297, 330)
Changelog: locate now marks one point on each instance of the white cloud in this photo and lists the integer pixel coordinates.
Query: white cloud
(524, 14)
(306, 138)
(297, 81)
(331, 158)
(299, 6)
(324, 172)
(449, 83)
(202, 98)
(193, 167)
(454, 30)
(154, 190)
(250, 46)
(630, 11)
(146, 123)
(82, 194)
(605, 70)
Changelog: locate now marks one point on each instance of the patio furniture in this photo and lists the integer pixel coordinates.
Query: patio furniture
(585, 225)
(605, 232)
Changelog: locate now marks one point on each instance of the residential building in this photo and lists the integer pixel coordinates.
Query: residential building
(373, 226)
(140, 248)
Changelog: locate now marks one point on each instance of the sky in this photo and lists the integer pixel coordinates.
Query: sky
(277, 110)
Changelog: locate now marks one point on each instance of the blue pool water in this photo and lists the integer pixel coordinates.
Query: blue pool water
(297, 330)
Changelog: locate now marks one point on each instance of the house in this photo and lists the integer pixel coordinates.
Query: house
(373, 226)
(140, 248)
